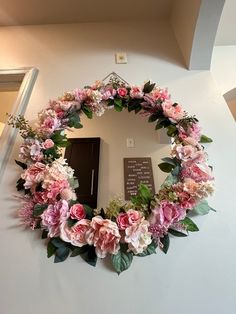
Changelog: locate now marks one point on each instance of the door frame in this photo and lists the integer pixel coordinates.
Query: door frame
(28, 76)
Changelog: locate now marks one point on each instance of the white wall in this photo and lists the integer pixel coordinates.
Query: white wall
(198, 274)
(223, 66)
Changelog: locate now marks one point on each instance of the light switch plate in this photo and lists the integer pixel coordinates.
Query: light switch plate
(121, 58)
(130, 142)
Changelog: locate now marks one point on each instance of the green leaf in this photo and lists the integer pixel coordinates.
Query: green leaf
(51, 249)
(61, 254)
(205, 139)
(189, 224)
(21, 164)
(148, 87)
(153, 117)
(202, 208)
(151, 249)
(57, 242)
(79, 250)
(165, 167)
(44, 234)
(170, 161)
(172, 130)
(60, 139)
(39, 209)
(118, 104)
(177, 233)
(143, 196)
(165, 241)
(90, 256)
(121, 261)
(20, 184)
(89, 211)
(87, 111)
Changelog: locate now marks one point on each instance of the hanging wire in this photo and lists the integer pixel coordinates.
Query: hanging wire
(113, 76)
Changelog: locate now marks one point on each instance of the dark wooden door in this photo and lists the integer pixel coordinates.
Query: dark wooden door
(83, 156)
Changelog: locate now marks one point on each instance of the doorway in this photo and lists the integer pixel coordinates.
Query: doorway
(15, 89)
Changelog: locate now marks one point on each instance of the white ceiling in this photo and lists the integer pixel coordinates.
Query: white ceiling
(31, 12)
(226, 34)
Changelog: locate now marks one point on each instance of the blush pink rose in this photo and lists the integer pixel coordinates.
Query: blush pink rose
(76, 235)
(136, 92)
(172, 111)
(48, 144)
(122, 221)
(134, 216)
(122, 92)
(77, 211)
(104, 235)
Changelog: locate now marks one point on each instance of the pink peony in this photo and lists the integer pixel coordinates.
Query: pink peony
(172, 111)
(77, 211)
(136, 92)
(138, 237)
(76, 235)
(193, 131)
(104, 235)
(163, 216)
(48, 144)
(49, 125)
(55, 188)
(122, 92)
(53, 216)
(160, 94)
(33, 175)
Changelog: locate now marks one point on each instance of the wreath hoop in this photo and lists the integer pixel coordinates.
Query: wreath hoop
(124, 229)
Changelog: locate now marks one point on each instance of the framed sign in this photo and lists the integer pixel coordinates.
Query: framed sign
(137, 170)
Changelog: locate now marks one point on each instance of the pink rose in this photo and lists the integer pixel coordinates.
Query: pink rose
(193, 131)
(104, 235)
(77, 211)
(172, 111)
(136, 92)
(122, 92)
(76, 235)
(48, 144)
(161, 94)
(122, 221)
(134, 216)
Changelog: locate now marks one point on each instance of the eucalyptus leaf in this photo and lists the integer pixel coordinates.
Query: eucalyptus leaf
(121, 261)
(170, 180)
(202, 208)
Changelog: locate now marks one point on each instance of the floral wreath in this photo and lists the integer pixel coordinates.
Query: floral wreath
(123, 229)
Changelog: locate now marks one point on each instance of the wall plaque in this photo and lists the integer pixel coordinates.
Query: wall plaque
(137, 170)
